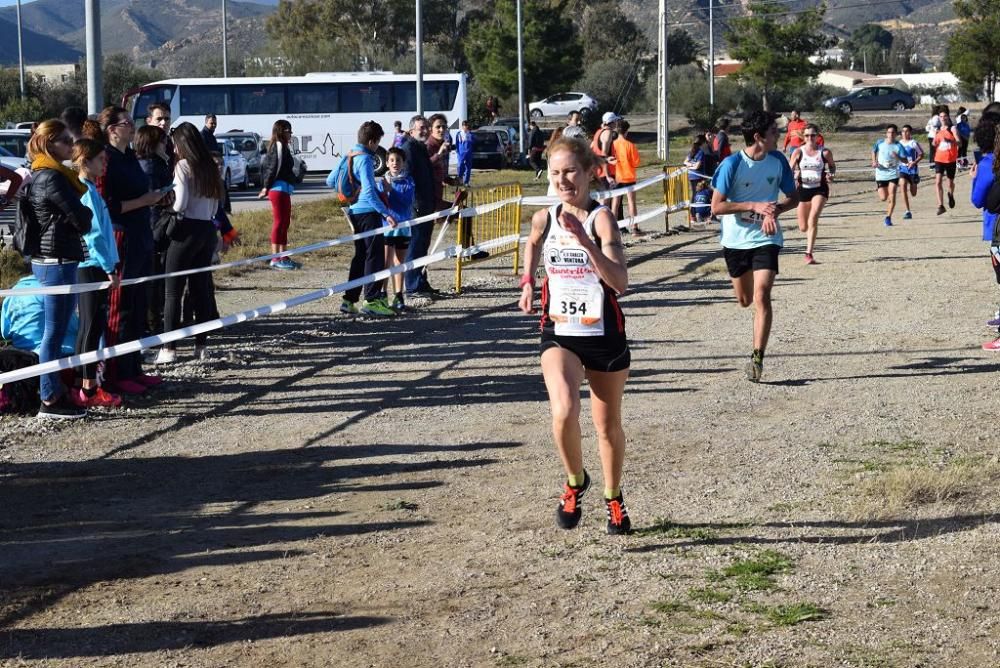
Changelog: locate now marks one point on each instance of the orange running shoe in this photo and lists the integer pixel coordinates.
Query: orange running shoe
(568, 513)
(618, 522)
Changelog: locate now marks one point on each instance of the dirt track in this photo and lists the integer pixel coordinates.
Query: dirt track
(350, 493)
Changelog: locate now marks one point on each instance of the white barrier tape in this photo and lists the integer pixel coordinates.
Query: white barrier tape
(548, 200)
(243, 316)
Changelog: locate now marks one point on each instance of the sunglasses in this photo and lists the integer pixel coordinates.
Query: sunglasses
(127, 121)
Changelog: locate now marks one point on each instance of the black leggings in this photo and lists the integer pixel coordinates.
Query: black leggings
(369, 255)
(93, 318)
(191, 246)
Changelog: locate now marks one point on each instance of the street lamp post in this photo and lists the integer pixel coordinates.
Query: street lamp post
(95, 92)
(20, 52)
(420, 63)
(225, 58)
(520, 84)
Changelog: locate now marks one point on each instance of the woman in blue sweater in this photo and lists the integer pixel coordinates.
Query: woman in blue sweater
(102, 258)
(985, 173)
(367, 214)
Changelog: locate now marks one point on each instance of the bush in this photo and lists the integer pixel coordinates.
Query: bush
(615, 84)
(12, 267)
(829, 120)
(688, 95)
(18, 110)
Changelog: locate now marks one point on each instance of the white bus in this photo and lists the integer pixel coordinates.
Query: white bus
(325, 108)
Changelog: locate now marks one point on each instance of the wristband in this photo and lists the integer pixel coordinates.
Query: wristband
(527, 279)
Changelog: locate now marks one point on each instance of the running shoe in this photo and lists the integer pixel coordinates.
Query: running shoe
(480, 255)
(951, 201)
(810, 259)
(104, 399)
(568, 513)
(618, 522)
(993, 345)
(755, 368)
(348, 308)
(295, 264)
(995, 322)
(887, 222)
(940, 210)
(61, 409)
(283, 264)
(166, 356)
(398, 305)
(907, 216)
(377, 308)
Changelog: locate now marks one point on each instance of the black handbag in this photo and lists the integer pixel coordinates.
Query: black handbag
(163, 229)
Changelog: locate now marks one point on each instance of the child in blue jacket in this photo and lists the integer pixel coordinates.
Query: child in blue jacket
(400, 191)
(463, 144)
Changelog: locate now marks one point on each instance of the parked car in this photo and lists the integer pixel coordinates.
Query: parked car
(508, 139)
(234, 167)
(561, 104)
(15, 142)
(250, 145)
(872, 97)
(11, 161)
(488, 152)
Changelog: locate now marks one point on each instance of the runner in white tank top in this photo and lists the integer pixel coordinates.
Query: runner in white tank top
(583, 330)
(814, 168)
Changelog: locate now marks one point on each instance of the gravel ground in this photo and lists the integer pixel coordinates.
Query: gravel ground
(338, 492)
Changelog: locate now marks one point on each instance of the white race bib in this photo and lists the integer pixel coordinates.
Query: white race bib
(576, 304)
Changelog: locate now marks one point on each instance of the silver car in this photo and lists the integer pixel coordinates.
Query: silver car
(234, 167)
(250, 145)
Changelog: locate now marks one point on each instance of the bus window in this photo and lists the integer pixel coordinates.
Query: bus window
(319, 98)
(148, 97)
(202, 100)
(440, 95)
(404, 96)
(365, 97)
(258, 99)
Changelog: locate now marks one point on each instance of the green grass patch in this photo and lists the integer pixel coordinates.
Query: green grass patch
(399, 504)
(795, 613)
(670, 607)
(757, 572)
(710, 595)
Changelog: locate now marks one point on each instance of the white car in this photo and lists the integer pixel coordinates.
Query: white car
(561, 104)
(234, 168)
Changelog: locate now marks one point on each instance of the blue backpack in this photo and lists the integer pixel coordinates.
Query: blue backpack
(342, 180)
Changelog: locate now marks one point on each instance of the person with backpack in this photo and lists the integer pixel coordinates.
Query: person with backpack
(278, 175)
(57, 219)
(366, 213)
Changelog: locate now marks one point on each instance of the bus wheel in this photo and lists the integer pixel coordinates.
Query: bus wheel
(379, 164)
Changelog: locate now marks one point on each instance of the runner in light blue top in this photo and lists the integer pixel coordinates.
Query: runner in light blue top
(748, 186)
(887, 155)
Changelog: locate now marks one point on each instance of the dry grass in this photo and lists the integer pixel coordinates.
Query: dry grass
(897, 490)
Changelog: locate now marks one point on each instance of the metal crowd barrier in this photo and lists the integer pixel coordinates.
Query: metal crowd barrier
(494, 223)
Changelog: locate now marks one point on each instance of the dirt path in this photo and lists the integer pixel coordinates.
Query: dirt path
(346, 493)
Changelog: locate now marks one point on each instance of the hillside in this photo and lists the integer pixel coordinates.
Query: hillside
(137, 27)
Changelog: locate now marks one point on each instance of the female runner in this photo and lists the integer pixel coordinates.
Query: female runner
(583, 329)
(814, 168)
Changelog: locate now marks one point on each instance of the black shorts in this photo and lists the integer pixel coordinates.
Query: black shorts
(912, 178)
(946, 168)
(806, 194)
(596, 353)
(741, 260)
(397, 242)
(885, 184)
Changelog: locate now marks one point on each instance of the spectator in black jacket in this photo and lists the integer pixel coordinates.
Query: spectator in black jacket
(61, 217)
(536, 146)
(277, 173)
(151, 150)
(125, 189)
(208, 132)
(419, 164)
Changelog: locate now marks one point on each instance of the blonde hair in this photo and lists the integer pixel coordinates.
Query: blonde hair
(578, 147)
(46, 131)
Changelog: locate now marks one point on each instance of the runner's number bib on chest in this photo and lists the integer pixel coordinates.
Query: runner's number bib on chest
(576, 295)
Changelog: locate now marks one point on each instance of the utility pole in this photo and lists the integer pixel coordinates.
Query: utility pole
(95, 61)
(711, 55)
(520, 84)
(420, 64)
(225, 58)
(662, 107)
(20, 52)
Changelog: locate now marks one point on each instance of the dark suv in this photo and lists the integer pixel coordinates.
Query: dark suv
(872, 98)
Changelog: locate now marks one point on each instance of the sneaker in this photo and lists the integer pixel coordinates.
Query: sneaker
(951, 201)
(755, 368)
(378, 308)
(348, 308)
(295, 264)
(127, 387)
(907, 216)
(283, 264)
(147, 379)
(995, 322)
(887, 222)
(810, 259)
(480, 255)
(62, 409)
(940, 210)
(993, 345)
(165, 356)
(104, 399)
(398, 305)
(618, 522)
(568, 513)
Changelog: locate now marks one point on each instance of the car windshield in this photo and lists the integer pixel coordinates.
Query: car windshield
(5, 153)
(486, 142)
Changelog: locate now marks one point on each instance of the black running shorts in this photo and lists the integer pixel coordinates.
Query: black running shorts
(596, 353)
(912, 178)
(806, 194)
(397, 242)
(741, 260)
(885, 184)
(946, 168)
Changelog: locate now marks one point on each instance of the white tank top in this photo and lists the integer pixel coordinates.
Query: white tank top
(811, 169)
(575, 292)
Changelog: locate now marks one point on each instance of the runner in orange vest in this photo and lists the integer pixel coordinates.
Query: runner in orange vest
(945, 160)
